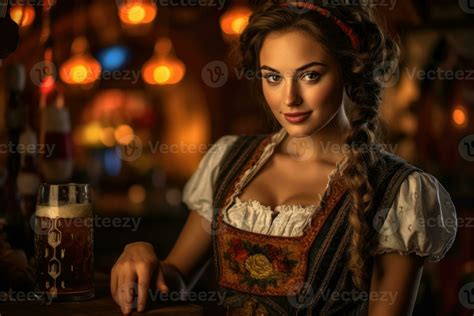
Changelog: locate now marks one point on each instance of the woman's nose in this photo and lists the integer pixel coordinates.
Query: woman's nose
(292, 95)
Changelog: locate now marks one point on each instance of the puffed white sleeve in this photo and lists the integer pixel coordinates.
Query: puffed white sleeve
(197, 193)
(421, 220)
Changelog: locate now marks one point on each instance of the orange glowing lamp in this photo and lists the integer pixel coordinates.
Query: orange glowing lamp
(81, 68)
(235, 20)
(460, 116)
(136, 12)
(23, 15)
(163, 68)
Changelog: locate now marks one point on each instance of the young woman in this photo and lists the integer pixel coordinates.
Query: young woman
(315, 218)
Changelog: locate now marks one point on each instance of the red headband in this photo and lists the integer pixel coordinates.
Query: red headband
(344, 27)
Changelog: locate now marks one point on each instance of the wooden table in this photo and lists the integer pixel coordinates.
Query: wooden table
(102, 305)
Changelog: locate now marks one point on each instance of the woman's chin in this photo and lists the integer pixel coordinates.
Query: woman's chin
(300, 130)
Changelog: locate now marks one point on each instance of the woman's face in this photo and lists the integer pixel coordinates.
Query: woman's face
(299, 76)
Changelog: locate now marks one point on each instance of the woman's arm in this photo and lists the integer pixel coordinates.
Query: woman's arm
(193, 244)
(394, 285)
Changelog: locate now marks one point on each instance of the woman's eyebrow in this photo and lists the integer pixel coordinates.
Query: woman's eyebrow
(317, 63)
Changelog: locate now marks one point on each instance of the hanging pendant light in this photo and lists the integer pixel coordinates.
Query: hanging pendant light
(163, 68)
(81, 68)
(136, 12)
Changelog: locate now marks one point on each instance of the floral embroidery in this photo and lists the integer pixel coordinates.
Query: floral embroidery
(260, 265)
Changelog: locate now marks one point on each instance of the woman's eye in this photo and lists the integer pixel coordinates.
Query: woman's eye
(311, 76)
(272, 78)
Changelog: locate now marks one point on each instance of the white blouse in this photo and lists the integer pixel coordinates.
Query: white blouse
(422, 218)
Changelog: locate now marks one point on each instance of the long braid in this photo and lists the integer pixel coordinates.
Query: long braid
(364, 137)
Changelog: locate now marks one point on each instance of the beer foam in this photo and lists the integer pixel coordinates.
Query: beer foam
(66, 210)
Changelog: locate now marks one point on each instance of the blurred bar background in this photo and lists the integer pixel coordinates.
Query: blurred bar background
(133, 93)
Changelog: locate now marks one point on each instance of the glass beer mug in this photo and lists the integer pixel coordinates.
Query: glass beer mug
(64, 242)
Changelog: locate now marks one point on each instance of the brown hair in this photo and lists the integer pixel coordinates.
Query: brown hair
(359, 70)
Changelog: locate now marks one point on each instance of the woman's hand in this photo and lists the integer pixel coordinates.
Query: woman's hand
(136, 266)
(139, 264)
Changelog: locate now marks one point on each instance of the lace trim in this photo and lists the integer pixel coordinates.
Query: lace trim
(281, 208)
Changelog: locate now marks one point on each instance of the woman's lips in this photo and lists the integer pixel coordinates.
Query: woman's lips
(296, 117)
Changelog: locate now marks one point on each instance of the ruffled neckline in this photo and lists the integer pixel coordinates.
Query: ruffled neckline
(278, 208)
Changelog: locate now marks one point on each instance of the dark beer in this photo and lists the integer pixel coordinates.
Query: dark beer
(64, 251)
